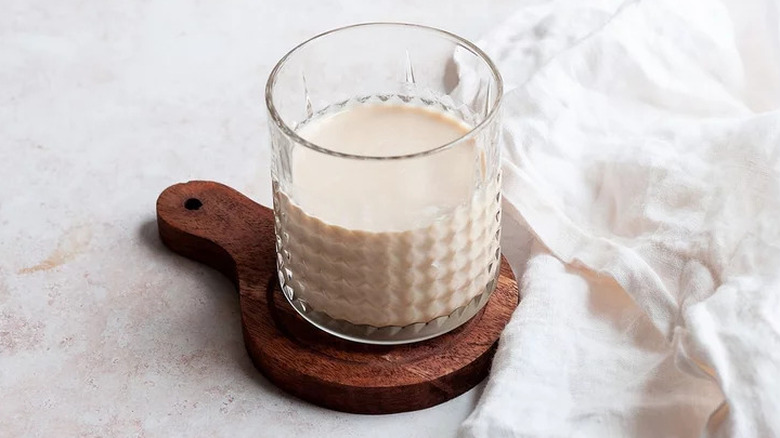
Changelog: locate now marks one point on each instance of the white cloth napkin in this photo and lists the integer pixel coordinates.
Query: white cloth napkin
(642, 150)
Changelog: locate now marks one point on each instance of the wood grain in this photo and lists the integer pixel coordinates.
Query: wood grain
(216, 225)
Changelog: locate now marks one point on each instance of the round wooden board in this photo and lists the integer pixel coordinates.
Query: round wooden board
(216, 225)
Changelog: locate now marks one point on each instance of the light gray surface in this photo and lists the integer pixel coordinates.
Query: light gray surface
(102, 106)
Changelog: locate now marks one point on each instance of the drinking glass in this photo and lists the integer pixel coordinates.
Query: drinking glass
(356, 263)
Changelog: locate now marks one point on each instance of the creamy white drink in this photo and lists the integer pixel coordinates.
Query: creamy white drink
(387, 242)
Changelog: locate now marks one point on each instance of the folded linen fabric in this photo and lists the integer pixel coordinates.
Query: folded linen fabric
(642, 151)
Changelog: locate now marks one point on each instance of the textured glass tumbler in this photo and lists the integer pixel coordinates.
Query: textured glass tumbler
(394, 245)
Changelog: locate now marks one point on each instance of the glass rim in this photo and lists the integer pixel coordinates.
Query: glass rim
(287, 130)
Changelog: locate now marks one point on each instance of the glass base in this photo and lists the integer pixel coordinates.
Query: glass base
(393, 335)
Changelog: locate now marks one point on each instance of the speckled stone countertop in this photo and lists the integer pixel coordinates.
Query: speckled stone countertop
(103, 332)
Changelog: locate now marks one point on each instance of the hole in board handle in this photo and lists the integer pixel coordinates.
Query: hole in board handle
(193, 204)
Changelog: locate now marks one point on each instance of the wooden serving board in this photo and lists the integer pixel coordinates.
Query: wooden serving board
(216, 225)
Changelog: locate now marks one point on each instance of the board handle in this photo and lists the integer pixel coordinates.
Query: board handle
(211, 223)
